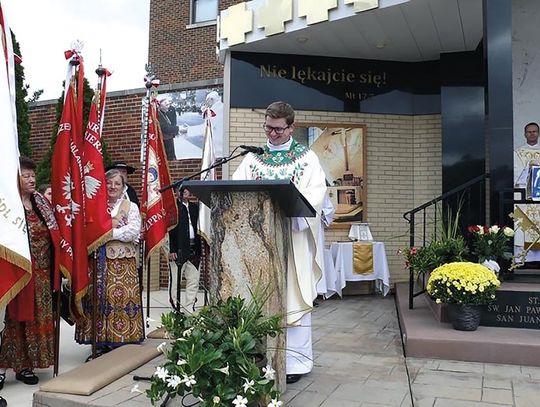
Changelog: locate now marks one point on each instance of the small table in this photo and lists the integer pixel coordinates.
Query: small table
(342, 259)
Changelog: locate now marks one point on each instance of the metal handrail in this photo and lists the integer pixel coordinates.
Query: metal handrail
(447, 194)
(409, 216)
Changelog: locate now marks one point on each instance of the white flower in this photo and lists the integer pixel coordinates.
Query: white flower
(508, 231)
(224, 370)
(494, 229)
(161, 373)
(181, 362)
(248, 384)
(269, 373)
(480, 229)
(161, 347)
(216, 399)
(187, 332)
(240, 401)
(174, 381)
(275, 403)
(135, 389)
(189, 380)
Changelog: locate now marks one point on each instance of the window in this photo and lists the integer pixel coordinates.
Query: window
(203, 10)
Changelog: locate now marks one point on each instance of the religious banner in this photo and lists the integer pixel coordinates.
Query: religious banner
(158, 209)
(98, 220)
(209, 157)
(15, 263)
(68, 189)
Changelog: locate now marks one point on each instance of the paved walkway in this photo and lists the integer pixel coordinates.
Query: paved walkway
(358, 363)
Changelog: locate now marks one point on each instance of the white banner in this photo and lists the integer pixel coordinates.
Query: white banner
(208, 159)
(14, 250)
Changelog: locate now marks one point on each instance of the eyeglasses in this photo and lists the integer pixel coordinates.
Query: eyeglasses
(277, 130)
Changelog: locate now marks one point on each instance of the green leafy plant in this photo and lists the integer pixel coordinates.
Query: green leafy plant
(449, 245)
(436, 253)
(463, 283)
(491, 243)
(216, 355)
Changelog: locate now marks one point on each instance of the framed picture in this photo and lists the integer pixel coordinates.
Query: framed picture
(182, 114)
(342, 153)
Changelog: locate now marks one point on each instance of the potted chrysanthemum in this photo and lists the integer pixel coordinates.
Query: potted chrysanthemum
(466, 287)
(217, 356)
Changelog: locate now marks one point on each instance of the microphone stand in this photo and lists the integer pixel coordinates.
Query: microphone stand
(217, 163)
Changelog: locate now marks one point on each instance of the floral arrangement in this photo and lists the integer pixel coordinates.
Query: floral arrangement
(216, 356)
(426, 258)
(462, 283)
(490, 243)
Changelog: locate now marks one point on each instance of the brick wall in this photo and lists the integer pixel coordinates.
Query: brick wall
(403, 168)
(42, 117)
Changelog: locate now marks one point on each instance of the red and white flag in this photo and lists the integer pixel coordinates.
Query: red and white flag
(68, 189)
(15, 263)
(98, 220)
(158, 209)
(208, 159)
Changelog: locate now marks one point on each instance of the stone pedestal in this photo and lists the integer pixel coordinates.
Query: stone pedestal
(248, 252)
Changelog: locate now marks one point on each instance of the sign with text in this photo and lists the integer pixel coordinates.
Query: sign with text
(514, 309)
(335, 84)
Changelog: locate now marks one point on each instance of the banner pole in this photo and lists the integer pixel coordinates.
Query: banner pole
(144, 261)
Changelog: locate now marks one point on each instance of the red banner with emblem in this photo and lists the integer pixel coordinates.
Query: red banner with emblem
(159, 210)
(98, 220)
(68, 193)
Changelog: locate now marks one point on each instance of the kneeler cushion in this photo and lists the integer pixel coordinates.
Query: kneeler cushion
(98, 373)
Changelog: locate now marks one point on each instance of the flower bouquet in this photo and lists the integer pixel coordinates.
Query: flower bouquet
(462, 283)
(490, 243)
(218, 356)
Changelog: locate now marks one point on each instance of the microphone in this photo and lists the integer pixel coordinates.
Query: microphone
(253, 149)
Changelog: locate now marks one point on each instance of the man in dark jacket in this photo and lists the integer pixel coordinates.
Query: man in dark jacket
(169, 129)
(185, 248)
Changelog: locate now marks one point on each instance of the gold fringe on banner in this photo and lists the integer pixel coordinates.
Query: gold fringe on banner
(362, 258)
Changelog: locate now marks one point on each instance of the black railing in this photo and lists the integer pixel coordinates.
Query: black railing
(467, 199)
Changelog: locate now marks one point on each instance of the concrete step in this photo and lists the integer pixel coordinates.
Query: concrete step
(425, 337)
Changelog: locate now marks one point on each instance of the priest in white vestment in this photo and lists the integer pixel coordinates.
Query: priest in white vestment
(284, 158)
(525, 156)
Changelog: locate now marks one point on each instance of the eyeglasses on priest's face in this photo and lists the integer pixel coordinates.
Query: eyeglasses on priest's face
(277, 130)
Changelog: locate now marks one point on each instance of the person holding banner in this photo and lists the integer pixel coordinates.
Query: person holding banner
(119, 306)
(285, 158)
(129, 191)
(28, 337)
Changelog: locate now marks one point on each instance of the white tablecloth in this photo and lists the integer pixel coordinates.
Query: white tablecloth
(327, 285)
(342, 254)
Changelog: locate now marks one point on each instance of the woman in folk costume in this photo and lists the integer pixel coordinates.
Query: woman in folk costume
(28, 338)
(284, 158)
(119, 306)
